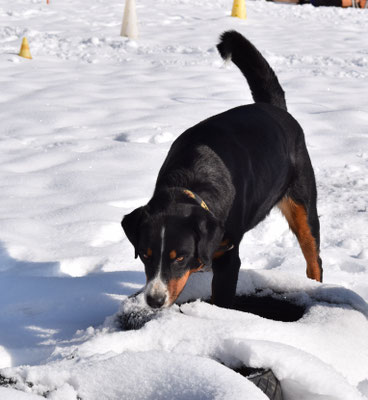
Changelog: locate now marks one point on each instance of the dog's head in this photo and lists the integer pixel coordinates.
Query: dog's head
(171, 247)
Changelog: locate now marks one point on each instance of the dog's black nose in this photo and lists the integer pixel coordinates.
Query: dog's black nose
(155, 301)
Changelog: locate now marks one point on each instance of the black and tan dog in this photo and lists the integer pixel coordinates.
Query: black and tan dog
(219, 180)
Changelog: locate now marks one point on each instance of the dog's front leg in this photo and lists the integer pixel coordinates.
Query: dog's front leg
(225, 277)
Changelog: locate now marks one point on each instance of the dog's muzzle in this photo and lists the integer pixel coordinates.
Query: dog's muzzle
(155, 301)
(156, 294)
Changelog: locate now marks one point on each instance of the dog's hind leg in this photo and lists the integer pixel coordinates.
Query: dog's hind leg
(306, 228)
(225, 277)
(299, 206)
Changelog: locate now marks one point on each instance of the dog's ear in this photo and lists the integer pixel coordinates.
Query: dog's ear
(209, 235)
(131, 223)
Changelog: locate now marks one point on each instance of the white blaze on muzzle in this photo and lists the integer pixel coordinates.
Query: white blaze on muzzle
(156, 288)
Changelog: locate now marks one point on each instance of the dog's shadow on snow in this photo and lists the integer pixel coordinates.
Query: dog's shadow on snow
(40, 307)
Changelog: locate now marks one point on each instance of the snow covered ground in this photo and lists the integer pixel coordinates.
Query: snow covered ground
(85, 126)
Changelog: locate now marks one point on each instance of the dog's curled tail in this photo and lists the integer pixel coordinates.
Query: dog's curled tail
(261, 78)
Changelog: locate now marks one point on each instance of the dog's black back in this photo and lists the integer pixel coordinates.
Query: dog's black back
(220, 179)
(233, 159)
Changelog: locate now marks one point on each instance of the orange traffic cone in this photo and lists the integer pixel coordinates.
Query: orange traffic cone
(239, 10)
(24, 50)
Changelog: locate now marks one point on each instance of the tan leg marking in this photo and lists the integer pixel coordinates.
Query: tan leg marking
(219, 253)
(296, 216)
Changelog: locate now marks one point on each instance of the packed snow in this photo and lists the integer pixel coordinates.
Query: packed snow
(85, 126)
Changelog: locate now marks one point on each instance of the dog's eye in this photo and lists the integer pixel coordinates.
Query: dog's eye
(146, 256)
(179, 259)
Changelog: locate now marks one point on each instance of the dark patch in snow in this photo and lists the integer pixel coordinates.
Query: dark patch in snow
(134, 313)
(122, 137)
(269, 307)
(4, 381)
(265, 379)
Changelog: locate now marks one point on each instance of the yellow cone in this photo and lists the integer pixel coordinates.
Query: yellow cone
(239, 10)
(24, 50)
